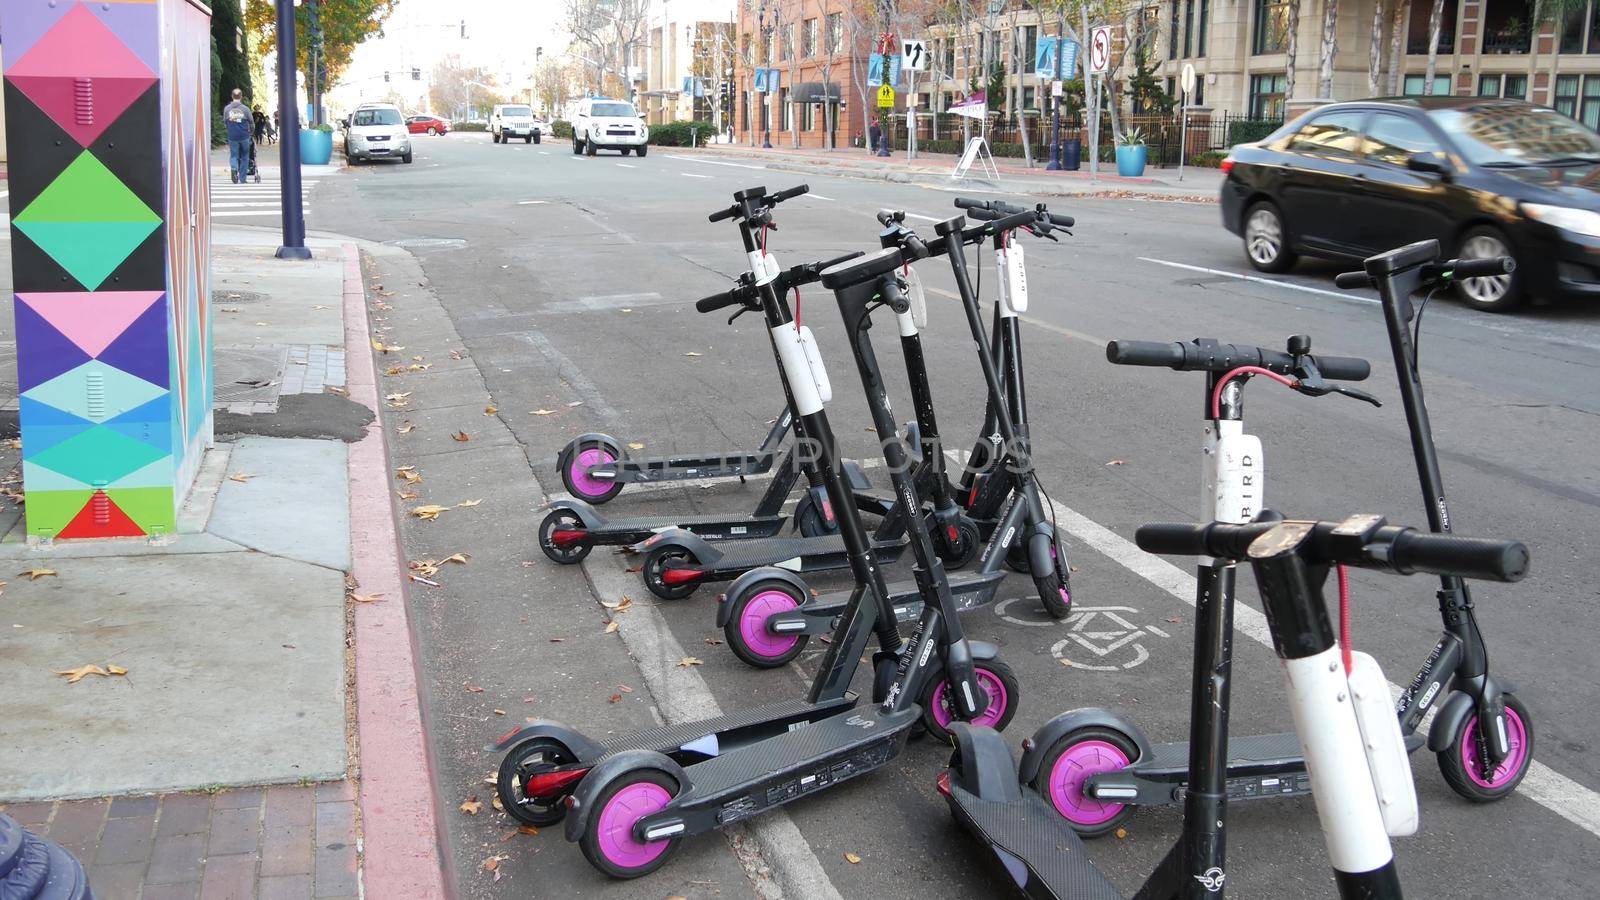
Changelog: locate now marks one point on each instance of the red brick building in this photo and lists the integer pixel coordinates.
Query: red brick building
(820, 49)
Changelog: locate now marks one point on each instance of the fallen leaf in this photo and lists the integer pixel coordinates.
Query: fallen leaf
(713, 642)
(419, 367)
(241, 477)
(616, 698)
(692, 353)
(529, 830)
(688, 661)
(461, 436)
(620, 605)
(468, 504)
(576, 403)
(455, 354)
(115, 670)
(378, 346)
(1174, 619)
(490, 410)
(474, 689)
(1067, 663)
(411, 477)
(407, 495)
(330, 389)
(366, 598)
(429, 512)
(424, 567)
(320, 306)
(1121, 833)
(398, 398)
(541, 412)
(14, 444)
(1117, 462)
(418, 358)
(611, 627)
(407, 428)
(37, 572)
(635, 445)
(499, 712)
(394, 370)
(852, 858)
(458, 558)
(495, 802)
(492, 778)
(76, 675)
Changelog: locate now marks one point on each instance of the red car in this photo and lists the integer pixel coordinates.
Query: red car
(427, 125)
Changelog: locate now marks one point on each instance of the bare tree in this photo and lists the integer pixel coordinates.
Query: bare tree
(1290, 48)
(833, 43)
(858, 28)
(553, 86)
(1375, 49)
(1397, 38)
(1434, 18)
(1330, 46)
(607, 26)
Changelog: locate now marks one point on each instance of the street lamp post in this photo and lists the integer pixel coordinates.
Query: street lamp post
(294, 223)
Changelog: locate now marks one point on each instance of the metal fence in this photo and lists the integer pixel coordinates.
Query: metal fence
(944, 132)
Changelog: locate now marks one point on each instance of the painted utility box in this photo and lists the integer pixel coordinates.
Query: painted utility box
(108, 114)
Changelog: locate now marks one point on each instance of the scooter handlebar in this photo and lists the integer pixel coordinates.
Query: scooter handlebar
(719, 301)
(1487, 267)
(1350, 281)
(788, 194)
(721, 214)
(1192, 357)
(1467, 557)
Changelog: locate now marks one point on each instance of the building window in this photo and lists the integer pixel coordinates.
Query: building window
(808, 39)
(1414, 83)
(949, 56)
(807, 116)
(1505, 26)
(1567, 95)
(1512, 86)
(1516, 87)
(835, 32)
(1572, 31)
(1271, 27)
(783, 109)
(1205, 16)
(1188, 28)
(1266, 96)
(1589, 112)
(1488, 85)
(1030, 47)
(1417, 32)
(1172, 37)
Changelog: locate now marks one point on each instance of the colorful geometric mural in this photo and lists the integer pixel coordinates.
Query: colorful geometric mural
(107, 105)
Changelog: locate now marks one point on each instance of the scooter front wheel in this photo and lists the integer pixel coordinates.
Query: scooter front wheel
(657, 568)
(956, 544)
(529, 758)
(1462, 765)
(747, 633)
(1066, 768)
(809, 520)
(608, 842)
(574, 461)
(997, 681)
(563, 537)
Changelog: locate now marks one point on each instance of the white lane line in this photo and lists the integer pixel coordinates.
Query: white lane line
(253, 212)
(693, 175)
(531, 202)
(254, 205)
(924, 218)
(820, 197)
(626, 166)
(1342, 295)
(544, 152)
(714, 162)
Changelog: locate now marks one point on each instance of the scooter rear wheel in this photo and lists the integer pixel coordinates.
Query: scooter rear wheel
(574, 461)
(566, 553)
(747, 632)
(1068, 764)
(540, 754)
(655, 567)
(1460, 765)
(996, 679)
(608, 842)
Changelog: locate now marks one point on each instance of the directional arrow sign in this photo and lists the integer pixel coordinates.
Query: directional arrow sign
(915, 53)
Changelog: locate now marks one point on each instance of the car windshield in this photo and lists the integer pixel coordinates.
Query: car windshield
(376, 117)
(616, 110)
(516, 112)
(1508, 136)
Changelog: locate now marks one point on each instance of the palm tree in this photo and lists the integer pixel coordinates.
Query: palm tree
(1330, 46)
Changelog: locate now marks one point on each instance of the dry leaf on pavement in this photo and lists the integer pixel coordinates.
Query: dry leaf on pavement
(528, 830)
(456, 354)
(461, 436)
(688, 661)
(611, 627)
(366, 598)
(407, 495)
(620, 605)
(74, 676)
(616, 698)
(468, 504)
(407, 428)
(474, 689)
(429, 512)
(499, 712)
(541, 412)
(241, 477)
(394, 370)
(692, 353)
(852, 858)
(576, 403)
(115, 670)
(460, 558)
(490, 410)
(37, 572)
(1117, 462)
(472, 805)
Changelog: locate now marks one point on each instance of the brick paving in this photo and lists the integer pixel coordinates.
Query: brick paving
(285, 842)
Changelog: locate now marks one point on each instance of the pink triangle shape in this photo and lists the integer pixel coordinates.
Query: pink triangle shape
(80, 45)
(83, 112)
(91, 320)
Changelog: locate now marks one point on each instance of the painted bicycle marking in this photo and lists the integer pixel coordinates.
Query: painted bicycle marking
(1110, 637)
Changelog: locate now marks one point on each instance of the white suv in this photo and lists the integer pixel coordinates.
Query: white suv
(511, 120)
(610, 124)
(377, 131)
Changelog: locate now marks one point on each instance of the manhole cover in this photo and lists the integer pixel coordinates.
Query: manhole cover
(230, 297)
(430, 243)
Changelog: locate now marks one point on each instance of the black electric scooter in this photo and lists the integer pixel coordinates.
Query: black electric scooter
(1113, 766)
(629, 800)
(1360, 775)
(1481, 764)
(769, 614)
(572, 528)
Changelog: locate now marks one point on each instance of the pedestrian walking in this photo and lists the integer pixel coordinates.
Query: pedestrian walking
(874, 134)
(260, 121)
(237, 117)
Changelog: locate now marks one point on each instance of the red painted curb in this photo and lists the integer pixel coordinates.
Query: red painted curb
(401, 854)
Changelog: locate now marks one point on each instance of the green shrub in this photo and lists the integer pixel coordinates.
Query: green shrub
(1210, 159)
(1249, 131)
(561, 128)
(681, 134)
(469, 126)
(323, 127)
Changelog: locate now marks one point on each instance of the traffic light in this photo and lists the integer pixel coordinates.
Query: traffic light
(416, 74)
(725, 94)
(385, 76)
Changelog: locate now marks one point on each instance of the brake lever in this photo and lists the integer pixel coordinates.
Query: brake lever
(1314, 386)
(742, 311)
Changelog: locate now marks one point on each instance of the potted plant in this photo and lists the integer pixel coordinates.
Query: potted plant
(1131, 153)
(316, 145)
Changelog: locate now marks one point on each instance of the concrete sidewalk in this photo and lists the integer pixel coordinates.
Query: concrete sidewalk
(1197, 184)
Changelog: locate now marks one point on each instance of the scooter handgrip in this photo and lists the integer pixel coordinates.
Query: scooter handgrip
(1465, 557)
(721, 214)
(1343, 368)
(1352, 280)
(1014, 220)
(1063, 221)
(969, 203)
(717, 301)
(982, 214)
(1488, 267)
(1172, 539)
(795, 191)
(1146, 353)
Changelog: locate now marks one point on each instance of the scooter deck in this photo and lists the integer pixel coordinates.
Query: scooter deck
(679, 468)
(711, 526)
(970, 590)
(1034, 844)
(692, 735)
(800, 554)
(1259, 766)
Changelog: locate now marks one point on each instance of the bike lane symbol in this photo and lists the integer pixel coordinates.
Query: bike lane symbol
(1107, 637)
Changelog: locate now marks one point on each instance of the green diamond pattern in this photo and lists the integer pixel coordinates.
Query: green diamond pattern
(87, 220)
(98, 456)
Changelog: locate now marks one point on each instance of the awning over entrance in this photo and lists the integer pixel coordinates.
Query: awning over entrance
(814, 92)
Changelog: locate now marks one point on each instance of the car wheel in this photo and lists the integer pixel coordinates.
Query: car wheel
(624, 151)
(576, 147)
(1266, 238)
(406, 159)
(641, 149)
(432, 131)
(527, 139)
(1498, 294)
(538, 138)
(589, 148)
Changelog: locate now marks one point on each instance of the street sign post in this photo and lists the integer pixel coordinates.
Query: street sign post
(1186, 83)
(915, 54)
(885, 97)
(1100, 50)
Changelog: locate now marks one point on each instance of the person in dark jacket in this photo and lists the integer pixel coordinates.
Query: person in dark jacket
(874, 134)
(238, 120)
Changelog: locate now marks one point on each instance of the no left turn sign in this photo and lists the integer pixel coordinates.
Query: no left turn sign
(1100, 50)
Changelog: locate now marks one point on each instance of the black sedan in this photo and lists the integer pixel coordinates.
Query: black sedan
(1484, 177)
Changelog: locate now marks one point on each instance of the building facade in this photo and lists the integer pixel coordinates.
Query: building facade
(819, 49)
(689, 53)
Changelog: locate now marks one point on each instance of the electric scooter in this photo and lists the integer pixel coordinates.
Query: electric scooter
(1113, 766)
(1360, 776)
(572, 527)
(628, 801)
(1481, 764)
(769, 614)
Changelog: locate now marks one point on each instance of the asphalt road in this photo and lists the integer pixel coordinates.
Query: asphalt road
(565, 284)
